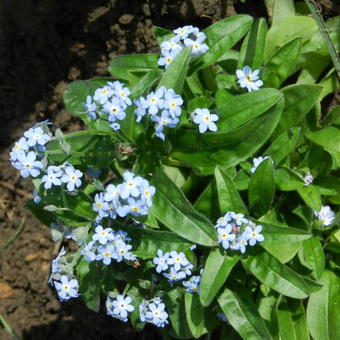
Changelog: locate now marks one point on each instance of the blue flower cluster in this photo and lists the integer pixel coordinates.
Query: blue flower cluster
(153, 311)
(109, 103)
(133, 196)
(184, 36)
(175, 266)
(66, 173)
(119, 306)
(62, 277)
(107, 245)
(193, 284)
(28, 149)
(236, 232)
(163, 106)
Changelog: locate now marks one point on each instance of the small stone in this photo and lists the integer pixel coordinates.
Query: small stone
(31, 257)
(125, 19)
(5, 290)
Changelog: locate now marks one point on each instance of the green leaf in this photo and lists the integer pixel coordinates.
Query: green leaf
(278, 235)
(145, 83)
(281, 64)
(299, 100)
(171, 207)
(206, 202)
(288, 29)
(311, 196)
(278, 276)
(328, 137)
(89, 283)
(282, 9)
(221, 36)
(292, 320)
(288, 180)
(176, 310)
(323, 315)
(174, 76)
(243, 315)
(147, 242)
(195, 315)
(162, 34)
(314, 256)
(216, 271)
(252, 49)
(283, 145)
(237, 110)
(42, 215)
(123, 65)
(262, 188)
(228, 197)
(206, 161)
(283, 252)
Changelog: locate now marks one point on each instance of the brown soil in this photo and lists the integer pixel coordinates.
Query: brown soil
(44, 45)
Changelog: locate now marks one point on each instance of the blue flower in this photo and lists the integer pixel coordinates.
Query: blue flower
(137, 207)
(114, 109)
(178, 260)
(106, 254)
(167, 58)
(171, 46)
(253, 235)
(197, 45)
(130, 186)
(183, 32)
(90, 107)
(72, 178)
(35, 136)
(147, 191)
(19, 147)
(205, 120)
(123, 252)
(103, 235)
(121, 92)
(154, 101)
(140, 111)
(53, 177)
(100, 205)
(174, 275)
(66, 288)
(27, 164)
(240, 243)
(120, 307)
(88, 253)
(193, 284)
(225, 235)
(112, 193)
(249, 79)
(257, 162)
(326, 215)
(103, 94)
(173, 102)
(153, 311)
(161, 261)
(238, 218)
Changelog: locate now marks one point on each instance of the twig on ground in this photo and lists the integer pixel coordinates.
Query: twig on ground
(18, 191)
(8, 328)
(14, 236)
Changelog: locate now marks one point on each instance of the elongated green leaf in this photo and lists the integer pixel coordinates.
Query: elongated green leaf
(171, 207)
(283, 145)
(328, 137)
(252, 49)
(292, 320)
(288, 29)
(174, 76)
(287, 180)
(243, 315)
(237, 110)
(89, 285)
(206, 161)
(221, 36)
(121, 66)
(216, 271)
(299, 100)
(283, 252)
(278, 276)
(262, 188)
(176, 310)
(277, 235)
(228, 197)
(146, 242)
(162, 34)
(195, 315)
(206, 202)
(281, 64)
(282, 9)
(314, 256)
(145, 83)
(311, 196)
(323, 316)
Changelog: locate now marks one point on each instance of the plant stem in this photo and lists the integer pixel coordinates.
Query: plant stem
(325, 35)
(14, 236)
